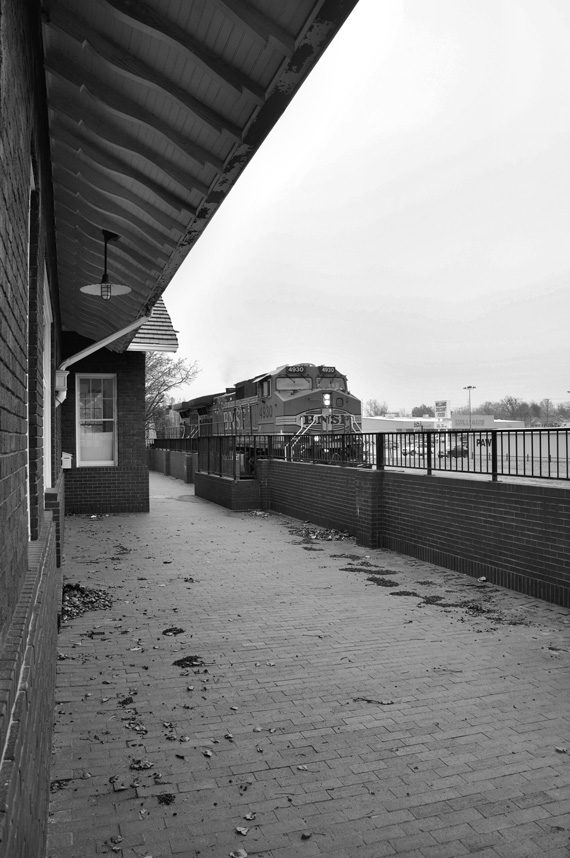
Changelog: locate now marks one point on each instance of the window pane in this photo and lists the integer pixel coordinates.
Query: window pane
(108, 401)
(83, 396)
(107, 409)
(293, 383)
(334, 382)
(96, 441)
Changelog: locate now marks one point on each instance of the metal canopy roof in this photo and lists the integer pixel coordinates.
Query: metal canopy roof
(155, 108)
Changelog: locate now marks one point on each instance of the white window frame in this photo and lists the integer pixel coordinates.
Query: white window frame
(28, 416)
(48, 394)
(91, 463)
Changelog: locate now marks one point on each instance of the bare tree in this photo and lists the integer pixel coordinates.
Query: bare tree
(373, 408)
(545, 412)
(423, 411)
(163, 375)
(511, 408)
(546, 406)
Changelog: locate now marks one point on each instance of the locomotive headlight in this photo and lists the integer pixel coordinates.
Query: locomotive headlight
(326, 400)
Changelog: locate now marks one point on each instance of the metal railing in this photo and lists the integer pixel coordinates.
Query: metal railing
(532, 453)
(185, 445)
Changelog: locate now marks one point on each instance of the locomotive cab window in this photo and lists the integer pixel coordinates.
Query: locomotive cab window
(333, 382)
(265, 387)
(295, 383)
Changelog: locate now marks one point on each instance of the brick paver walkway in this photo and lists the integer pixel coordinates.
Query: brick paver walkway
(328, 718)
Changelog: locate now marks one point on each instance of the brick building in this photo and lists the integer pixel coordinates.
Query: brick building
(122, 128)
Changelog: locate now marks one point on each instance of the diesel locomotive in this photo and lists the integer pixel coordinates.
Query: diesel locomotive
(296, 399)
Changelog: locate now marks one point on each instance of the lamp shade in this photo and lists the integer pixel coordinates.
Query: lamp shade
(105, 290)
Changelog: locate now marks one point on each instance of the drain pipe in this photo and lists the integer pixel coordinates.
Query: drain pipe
(61, 372)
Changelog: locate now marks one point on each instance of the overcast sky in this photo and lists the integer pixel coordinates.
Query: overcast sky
(408, 219)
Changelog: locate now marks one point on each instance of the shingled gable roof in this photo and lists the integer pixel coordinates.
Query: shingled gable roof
(156, 335)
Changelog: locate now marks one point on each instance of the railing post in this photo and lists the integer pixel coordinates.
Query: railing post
(428, 436)
(235, 456)
(494, 457)
(380, 448)
(270, 446)
(343, 450)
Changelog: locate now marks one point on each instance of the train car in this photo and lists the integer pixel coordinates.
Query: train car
(295, 399)
(196, 412)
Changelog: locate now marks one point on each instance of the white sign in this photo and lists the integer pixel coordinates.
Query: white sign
(475, 421)
(441, 413)
(442, 408)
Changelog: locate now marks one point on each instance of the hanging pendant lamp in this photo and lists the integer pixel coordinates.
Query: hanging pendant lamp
(105, 289)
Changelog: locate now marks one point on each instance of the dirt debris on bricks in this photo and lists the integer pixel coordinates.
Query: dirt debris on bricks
(286, 704)
(77, 599)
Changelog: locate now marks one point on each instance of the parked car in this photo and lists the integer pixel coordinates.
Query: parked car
(458, 452)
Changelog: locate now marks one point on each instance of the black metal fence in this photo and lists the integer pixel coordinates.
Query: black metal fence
(533, 453)
(183, 445)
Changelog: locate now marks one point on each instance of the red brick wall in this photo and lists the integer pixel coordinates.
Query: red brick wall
(16, 133)
(27, 680)
(343, 498)
(172, 463)
(30, 592)
(233, 494)
(55, 503)
(123, 488)
(517, 535)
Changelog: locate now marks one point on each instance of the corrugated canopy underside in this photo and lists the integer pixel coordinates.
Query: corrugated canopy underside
(155, 108)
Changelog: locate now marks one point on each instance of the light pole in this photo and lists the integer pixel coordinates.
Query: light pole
(469, 388)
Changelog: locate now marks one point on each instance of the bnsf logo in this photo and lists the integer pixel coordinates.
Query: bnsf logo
(332, 420)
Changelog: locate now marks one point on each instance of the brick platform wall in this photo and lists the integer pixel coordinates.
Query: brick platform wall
(15, 147)
(29, 585)
(516, 535)
(55, 502)
(172, 463)
(27, 682)
(343, 498)
(238, 495)
(123, 488)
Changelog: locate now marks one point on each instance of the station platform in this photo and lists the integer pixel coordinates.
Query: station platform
(252, 685)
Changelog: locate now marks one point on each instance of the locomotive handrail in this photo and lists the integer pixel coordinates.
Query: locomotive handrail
(302, 431)
(355, 425)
